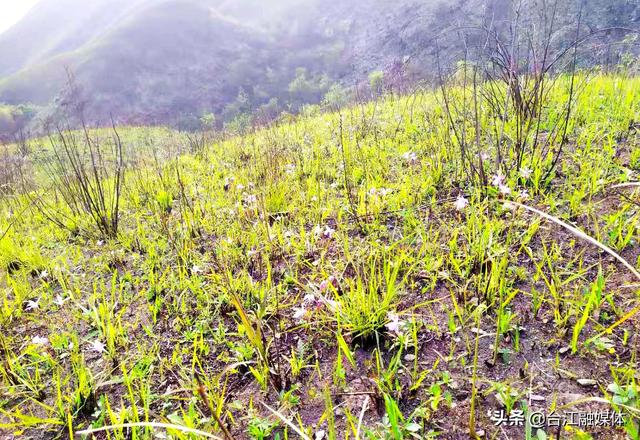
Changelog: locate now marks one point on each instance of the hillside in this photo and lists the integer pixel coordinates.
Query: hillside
(174, 61)
(198, 36)
(40, 36)
(340, 276)
(138, 60)
(320, 220)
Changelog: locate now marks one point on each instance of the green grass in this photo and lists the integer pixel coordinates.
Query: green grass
(318, 276)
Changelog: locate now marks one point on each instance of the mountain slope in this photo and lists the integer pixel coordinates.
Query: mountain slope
(161, 61)
(155, 58)
(54, 27)
(361, 249)
(165, 49)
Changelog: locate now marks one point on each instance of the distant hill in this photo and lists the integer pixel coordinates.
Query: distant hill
(54, 27)
(141, 60)
(155, 60)
(171, 61)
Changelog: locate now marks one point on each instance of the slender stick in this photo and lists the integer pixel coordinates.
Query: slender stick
(577, 232)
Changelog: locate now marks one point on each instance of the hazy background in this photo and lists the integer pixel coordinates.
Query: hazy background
(232, 63)
(11, 11)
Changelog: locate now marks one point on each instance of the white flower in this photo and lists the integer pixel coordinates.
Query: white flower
(382, 192)
(504, 189)
(394, 325)
(98, 346)
(328, 232)
(299, 313)
(461, 203)
(60, 300)
(240, 187)
(410, 157)
(290, 168)
(33, 305)
(332, 305)
(331, 281)
(497, 179)
(524, 194)
(250, 200)
(40, 340)
(43, 274)
(309, 298)
(196, 269)
(525, 172)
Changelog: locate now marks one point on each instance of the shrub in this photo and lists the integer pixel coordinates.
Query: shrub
(87, 175)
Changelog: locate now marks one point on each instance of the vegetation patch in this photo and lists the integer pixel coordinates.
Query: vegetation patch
(388, 270)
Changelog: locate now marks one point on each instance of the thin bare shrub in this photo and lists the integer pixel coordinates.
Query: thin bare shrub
(11, 166)
(497, 93)
(197, 142)
(14, 158)
(85, 174)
